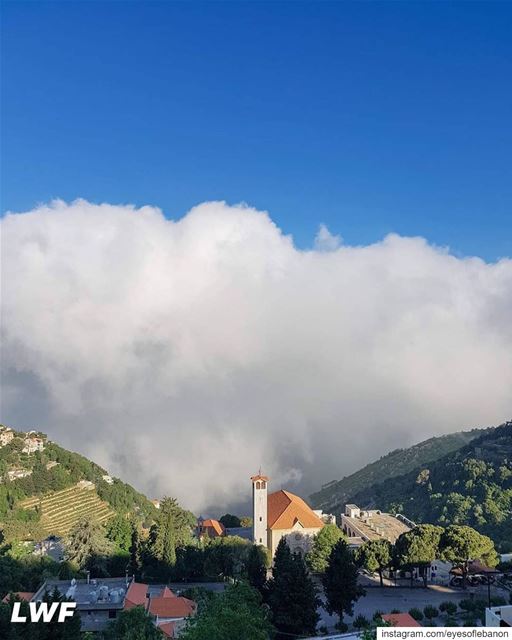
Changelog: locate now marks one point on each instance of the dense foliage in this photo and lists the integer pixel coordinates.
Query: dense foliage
(340, 581)
(318, 557)
(471, 486)
(292, 595)
(236, 614)
(54, 469)
(334, 495)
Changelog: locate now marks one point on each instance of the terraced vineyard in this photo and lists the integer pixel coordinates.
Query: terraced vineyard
(61, 510)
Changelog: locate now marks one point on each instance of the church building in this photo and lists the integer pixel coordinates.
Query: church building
(282, 514)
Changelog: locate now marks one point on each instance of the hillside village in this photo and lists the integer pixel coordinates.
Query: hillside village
(84, 535)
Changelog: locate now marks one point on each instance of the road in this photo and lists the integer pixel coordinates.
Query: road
(388, 598)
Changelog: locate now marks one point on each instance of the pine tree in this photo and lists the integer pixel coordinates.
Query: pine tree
(135, 564)
(340, 581)
(256, 567)
(292, 595)
(88, 547)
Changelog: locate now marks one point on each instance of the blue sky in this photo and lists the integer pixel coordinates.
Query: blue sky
(368, 117)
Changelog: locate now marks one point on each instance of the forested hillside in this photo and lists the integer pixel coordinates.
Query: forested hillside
(472, 485)
(43, 492)
(334, 495)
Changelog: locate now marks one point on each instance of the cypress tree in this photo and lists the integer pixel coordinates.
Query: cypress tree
(340, 581)
(292, 596)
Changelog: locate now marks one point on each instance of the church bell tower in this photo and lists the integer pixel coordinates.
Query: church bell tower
(259, 509)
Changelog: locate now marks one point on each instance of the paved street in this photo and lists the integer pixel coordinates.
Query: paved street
(388, 598)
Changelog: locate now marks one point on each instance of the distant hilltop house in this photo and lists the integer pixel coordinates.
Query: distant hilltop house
(33, 443)
(210, 528)
(283, 515)
(17, 474)
(361, 525)
(108, 479)
(100, 601)
(6, 435)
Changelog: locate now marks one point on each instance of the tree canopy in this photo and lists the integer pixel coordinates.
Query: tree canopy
(318, 557)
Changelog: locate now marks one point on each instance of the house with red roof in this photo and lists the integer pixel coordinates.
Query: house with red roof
(400, 620)
(100, 601)
(210, 528)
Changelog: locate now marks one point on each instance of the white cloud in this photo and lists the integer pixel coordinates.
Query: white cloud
(325, 240)
(185, 354)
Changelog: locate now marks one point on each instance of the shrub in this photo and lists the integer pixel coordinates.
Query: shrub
(378, 615)
(451, 622)
(395, 611)
(498, 601)
(448, 607)
(467, 605)
(323, 630)
(469, 622)
(417, 614)
(341, 626)
(430, 612)
(360, 622)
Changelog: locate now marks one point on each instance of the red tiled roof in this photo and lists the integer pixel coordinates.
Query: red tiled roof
(401, 620)
(217, 526)
(285, 509)
(171, 607)
(168, 629)
(136, 595)
(167, 593)
(22, 595)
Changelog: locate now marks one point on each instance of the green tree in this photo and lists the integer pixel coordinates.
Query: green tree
(340, 581)
(418, 547)
(173, 529)
(119, 532)
(375, 555)
(135, 562)
(226, 557)
(256, 567)
(460, 544)
(88, 548)
(134, 624)
(323, 544)
(236, 614)
(292, 595)
(230, 521)
(246, 521)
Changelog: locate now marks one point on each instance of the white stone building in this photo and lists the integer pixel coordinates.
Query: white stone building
(282, 514)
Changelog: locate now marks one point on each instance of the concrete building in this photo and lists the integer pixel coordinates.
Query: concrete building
(6, 435)
(499, 616)
(282, 514)
(33, 443)
(373, 524)
(100, 601)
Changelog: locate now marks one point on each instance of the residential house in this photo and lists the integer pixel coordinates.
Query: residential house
(6, 435)
(210, 528)
(32, 443)
(101, 601)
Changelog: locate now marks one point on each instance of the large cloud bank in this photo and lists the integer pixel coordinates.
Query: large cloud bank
(184, 355)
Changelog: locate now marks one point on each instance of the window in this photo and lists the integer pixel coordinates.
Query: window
(261, 519)
(261, 540)
(258, 485)
(112, 613)
(263, 485)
